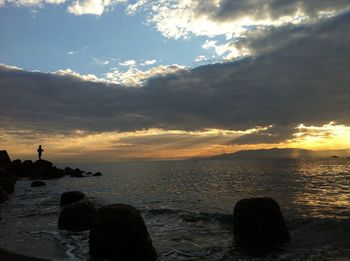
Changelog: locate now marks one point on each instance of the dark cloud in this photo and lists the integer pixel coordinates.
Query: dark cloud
(303, 80)
(267, 9)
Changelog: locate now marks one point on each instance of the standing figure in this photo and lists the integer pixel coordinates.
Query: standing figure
(40, 152)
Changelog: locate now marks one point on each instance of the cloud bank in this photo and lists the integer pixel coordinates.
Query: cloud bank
(303, 79)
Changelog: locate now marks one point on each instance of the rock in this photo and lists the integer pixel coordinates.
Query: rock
(3, 195)
(53, 173)
(8, 185)
(78, 216)
(119, 233)
(38, 183)
(41, 169)
(71, 197)
(15, 167)
(97, 174)
(25, 169)
(6, 174)
(68, 170)
(44, 164)
(5, 160)
(258, 225)
(77, 173)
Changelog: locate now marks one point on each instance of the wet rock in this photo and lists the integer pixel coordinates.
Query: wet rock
(78, 216)
(5, 160)
(97, 174)
(77, 173)
(3, 195)
(71, 197)
(119, 233)
(8, 185)
(38, 183)
(258, 225)
(68, 171)
(53, 173)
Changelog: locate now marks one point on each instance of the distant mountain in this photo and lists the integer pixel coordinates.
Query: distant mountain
(283, 153)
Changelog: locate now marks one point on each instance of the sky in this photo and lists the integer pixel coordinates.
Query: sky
(108, 80)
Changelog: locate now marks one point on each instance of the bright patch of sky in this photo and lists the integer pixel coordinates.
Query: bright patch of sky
(113, 39)
(49, 39)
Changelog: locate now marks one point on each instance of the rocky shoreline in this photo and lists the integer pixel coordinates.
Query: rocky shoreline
(11, 171)
(118, 231)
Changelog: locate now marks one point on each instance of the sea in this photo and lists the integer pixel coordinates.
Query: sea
(188, 207)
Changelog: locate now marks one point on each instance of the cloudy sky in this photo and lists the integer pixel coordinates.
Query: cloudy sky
(104, 80)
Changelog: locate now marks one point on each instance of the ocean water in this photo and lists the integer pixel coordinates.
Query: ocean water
(188, 206)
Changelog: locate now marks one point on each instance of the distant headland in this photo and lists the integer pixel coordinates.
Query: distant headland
(279, 153)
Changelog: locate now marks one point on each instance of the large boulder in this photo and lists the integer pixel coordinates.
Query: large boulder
(41, 169)
(258, 225)
(38, 183)
(78, 216)
(119, 233)
(5, 160)
(22, 170)
(71, 197)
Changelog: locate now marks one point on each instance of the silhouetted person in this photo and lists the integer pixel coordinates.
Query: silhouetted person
(40, 152)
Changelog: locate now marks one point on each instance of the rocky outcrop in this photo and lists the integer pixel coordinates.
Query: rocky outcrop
(38, 183)
(258, 225)
(78, 216)
(71, 197)
(119, 233)
(3, 195)
(41, 169)
(5, 160)
(97, 174)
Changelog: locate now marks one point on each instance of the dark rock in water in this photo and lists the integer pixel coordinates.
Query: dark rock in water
(88, 173)
(258, 225)
(97, 174)
(71, 197)
(38, 183)
(53, 173)
(77, 173)
(68, 170)
(119, 233)
(8, 185)
(5, 160)
(78, 216)
(3, 195)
